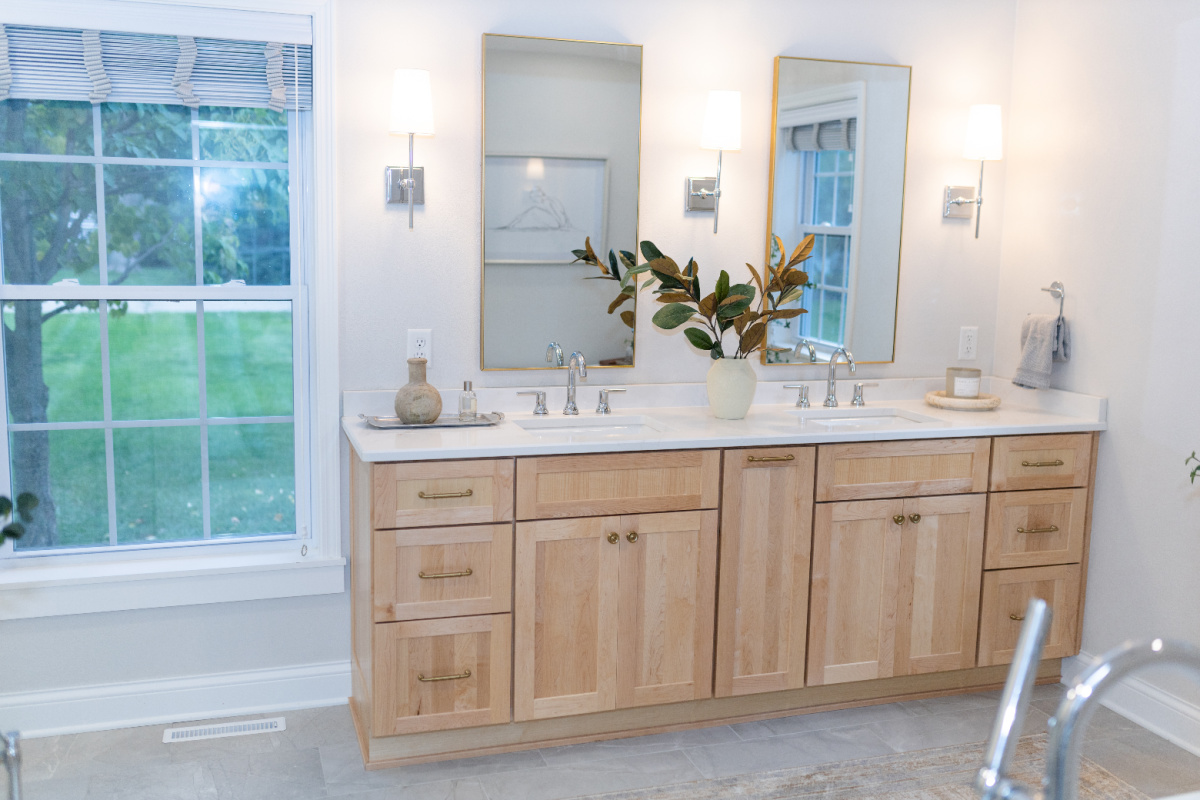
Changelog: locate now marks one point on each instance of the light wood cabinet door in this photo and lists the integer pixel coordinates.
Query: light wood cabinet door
(855, 590)
(902, 469)
(565, 609)
(617, 483)
(1041, 462)
(431, 675)
(425, 573)
(1033, 529)
(419, 494)
(941, 565)
(895, 587)
(1006, 595)
(766, 540)
(667, 588)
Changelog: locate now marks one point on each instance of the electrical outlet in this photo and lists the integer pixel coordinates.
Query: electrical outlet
(968, 343)
(420, 343)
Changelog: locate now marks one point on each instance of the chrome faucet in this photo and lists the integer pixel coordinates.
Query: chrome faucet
(831, 390)
(554, 354)
(1061, 781)
(10, 750)
(577, 363)
(805, 343)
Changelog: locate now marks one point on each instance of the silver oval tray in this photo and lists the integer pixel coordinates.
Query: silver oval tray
(481, 421)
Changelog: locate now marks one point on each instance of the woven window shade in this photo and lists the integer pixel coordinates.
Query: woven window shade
(60, 64)
(838, 134)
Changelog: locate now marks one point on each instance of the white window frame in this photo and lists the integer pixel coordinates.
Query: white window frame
(111, 579)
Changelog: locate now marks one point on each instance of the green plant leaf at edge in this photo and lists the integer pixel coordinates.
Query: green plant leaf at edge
(672, 316)
(699, 338)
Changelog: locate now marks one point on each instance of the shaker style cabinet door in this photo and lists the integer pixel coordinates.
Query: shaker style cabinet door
(766, 539)
(667, 592)
(565, 617)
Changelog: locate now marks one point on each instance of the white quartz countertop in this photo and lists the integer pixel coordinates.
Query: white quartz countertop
(689, 424)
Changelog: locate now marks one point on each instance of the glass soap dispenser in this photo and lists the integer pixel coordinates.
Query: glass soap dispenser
(468, 404)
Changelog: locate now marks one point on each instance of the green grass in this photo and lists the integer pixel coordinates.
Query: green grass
(155, 375)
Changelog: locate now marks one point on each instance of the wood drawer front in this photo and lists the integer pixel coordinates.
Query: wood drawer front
(1034, 529)
(902, 469)
(406, 652)
(620, 483)
(1006, 594)
(420, 494)
(418, 573)
(1041, 462)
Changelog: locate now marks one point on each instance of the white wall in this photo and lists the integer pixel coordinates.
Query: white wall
(1104, 194)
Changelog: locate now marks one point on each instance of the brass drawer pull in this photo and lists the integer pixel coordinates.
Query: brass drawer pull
(632, 537)
(898, 519)
(462, 574)
(1017, 617)
(613, 538)
(1058, 462)
(444, 495)
(763, 459)
(1051, 529)
(434, 679)
(915, 518)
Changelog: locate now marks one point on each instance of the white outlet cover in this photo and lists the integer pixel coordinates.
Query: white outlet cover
(420, 343)
(968, 343)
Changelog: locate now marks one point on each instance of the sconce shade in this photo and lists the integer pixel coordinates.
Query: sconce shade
(412, 103)
(984, 137)
(722, 122)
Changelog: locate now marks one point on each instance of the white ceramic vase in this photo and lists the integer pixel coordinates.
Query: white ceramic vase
(731, 384)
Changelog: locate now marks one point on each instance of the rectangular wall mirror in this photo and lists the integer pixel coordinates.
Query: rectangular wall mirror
(837, 171)
(561, 144)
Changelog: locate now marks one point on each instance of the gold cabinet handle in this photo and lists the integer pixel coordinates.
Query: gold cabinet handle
(764, 459)
(437, 678)
(632, 537)
(1058, 462)
(613, 538)
(915, 518)
(1017, 617)
(444, 495)
(1050, 529)
(436, 575)
(898, 519)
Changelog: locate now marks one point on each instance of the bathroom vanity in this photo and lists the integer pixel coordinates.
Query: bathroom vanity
(548, 582)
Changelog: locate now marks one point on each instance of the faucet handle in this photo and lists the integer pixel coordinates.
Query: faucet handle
(802, 399)
(858, 393)
(539, 399)
(603, 407)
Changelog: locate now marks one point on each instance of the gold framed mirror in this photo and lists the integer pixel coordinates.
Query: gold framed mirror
(838, 154)
(561, 154)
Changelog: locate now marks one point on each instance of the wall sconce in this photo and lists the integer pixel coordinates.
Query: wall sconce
(985, 143)
(412, 114)
(722, 131)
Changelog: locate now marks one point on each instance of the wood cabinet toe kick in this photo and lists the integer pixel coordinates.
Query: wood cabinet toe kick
(511, 603)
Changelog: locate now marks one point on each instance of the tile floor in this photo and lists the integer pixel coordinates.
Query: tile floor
(317, 757)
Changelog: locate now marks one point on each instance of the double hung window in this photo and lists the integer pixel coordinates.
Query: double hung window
(155, 238)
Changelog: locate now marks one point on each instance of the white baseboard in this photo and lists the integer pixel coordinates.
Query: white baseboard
(157, 702)
(1171, 717)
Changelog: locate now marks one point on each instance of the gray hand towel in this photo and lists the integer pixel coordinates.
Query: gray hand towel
(1038, 339)
(1062, 341)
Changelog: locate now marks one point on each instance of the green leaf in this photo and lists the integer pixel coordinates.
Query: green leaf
(650, 251)
(612, 263)
(733, 309)
(26, 503)
(716, 352)
(667, 281)
(12, 531)
(672, 316)
(744, 289)
(628, 259)
(6, 507)
(699, 338)
(579, 254)
(722, 290)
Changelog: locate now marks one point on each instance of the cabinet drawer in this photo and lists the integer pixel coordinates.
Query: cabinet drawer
(620, 483)
(1033, 529)
(419, 574)
(1041, 462)
(436, 674)
(420, 494)
(902, 469)
(1006, 594)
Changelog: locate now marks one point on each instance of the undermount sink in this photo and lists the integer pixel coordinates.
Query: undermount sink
(599, 428)
(867, 418)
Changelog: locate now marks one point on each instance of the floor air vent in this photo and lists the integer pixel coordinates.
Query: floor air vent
(195, 732)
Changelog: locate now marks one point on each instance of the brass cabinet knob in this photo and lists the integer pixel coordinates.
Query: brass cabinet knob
(898, 519)
(915, 518)
(632, 537)
(1017, 617)
(613, 538)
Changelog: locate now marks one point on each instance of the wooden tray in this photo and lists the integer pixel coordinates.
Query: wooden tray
(985, 402)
